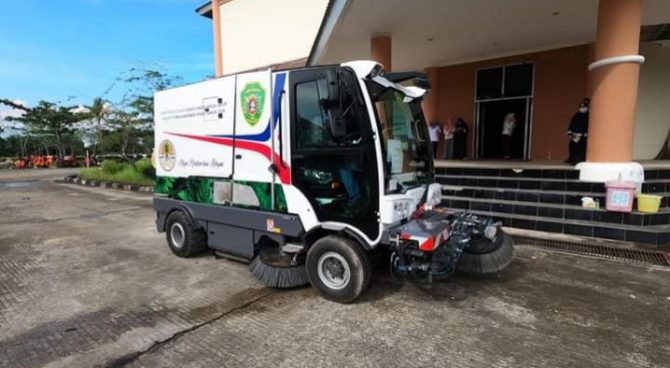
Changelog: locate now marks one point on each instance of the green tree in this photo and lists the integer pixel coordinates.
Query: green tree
(142, 84)
(125, 128)
(132, 120)
(98, 113)
(47, 121)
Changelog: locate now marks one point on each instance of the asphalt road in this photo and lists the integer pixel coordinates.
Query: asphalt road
(86, 281)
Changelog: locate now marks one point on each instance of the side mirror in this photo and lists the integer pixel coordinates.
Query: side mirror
(422, 82)
(336, 123)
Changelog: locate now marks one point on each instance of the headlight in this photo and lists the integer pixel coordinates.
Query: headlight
(401, 208)
(434, 195)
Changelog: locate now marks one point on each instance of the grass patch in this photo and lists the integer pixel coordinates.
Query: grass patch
(118, 172)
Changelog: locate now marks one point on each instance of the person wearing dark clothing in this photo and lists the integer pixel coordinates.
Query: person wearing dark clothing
(578, 132)
(460, 150)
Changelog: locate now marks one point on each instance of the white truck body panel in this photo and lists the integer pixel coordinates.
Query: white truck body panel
(204, 110)
(201, 128)
(254, 145)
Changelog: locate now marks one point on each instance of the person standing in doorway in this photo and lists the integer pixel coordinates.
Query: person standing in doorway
(577, 132)
(448, 130)
(507, 131)
(460, 140)
(434, 130)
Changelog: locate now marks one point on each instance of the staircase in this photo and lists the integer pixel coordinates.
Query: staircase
(549, 199)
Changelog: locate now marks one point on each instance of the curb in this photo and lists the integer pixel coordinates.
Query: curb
(73, 179)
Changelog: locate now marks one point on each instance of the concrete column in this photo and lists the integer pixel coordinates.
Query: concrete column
(216, 28)
(380, 51)
(614, 85)
(430, 103)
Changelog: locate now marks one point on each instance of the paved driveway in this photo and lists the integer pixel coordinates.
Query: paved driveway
(86, 281)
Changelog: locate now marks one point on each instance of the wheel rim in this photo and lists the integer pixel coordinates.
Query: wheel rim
(334, 270)
(177, 234)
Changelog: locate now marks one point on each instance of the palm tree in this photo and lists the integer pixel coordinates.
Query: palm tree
(99, 112)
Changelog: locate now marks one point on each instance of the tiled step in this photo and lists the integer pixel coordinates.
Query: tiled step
(652, 236)
(549, 198)
(532, 195)
(649, 186)
(558, 211)
(566, 172)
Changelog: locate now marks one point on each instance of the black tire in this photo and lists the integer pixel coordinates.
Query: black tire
(183, 238)
(489, 258)
(326, 253)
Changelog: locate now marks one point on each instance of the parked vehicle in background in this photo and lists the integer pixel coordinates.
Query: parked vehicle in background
(68, 161)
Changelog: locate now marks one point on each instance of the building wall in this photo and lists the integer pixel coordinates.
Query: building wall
(653, 106)
(258, 33)
(560, 84)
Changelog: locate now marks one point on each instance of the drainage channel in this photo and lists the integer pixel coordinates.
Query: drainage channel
(644, 256)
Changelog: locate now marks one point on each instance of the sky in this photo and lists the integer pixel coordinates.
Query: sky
(73, 50)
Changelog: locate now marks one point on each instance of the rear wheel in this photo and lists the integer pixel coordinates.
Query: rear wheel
(183, 238)
(338, 268)
(485, 257)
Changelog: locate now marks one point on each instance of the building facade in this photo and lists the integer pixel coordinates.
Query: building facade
(538, 59)
(255, 34)
(486, 59)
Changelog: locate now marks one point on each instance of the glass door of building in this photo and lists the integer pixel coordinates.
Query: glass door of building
(501, 92)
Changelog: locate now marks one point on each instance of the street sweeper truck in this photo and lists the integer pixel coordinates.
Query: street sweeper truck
(308, 174)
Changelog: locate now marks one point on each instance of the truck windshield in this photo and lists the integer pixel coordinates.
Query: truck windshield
(404, 136)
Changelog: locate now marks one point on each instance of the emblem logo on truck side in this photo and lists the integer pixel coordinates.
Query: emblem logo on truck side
(253, 101)
(167, 156)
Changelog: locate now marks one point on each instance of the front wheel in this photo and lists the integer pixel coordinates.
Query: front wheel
(486, 257)
(338, 268)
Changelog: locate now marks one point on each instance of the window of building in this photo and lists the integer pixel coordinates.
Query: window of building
(489, 83)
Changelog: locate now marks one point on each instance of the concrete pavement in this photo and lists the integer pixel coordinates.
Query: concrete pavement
(86, 281)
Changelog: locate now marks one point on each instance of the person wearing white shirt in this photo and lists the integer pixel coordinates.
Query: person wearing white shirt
(449, 130)
(434, 131)
(508, 130)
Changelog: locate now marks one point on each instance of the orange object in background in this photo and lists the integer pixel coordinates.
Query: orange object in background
(35, 162)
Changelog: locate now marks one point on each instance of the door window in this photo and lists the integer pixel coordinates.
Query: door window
(337, 174)
(311, 125)
(313, 112)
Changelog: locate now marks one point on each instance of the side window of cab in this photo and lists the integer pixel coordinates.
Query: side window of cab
(312, 123)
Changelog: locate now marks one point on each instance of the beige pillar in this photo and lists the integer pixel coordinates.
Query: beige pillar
(613, 81)
(216, 28)
(614, 100)
(381, 52)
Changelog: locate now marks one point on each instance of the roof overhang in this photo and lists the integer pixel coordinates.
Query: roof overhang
(205, 10)
(445, 32)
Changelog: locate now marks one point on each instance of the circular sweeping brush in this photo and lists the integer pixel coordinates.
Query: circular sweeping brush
(489, 258)
(274, 269)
